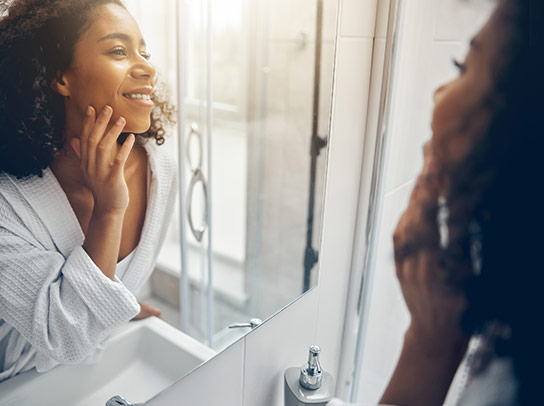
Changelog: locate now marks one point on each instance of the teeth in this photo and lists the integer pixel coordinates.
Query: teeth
(138, 96)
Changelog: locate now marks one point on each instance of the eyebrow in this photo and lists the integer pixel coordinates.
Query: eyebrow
(121, 36)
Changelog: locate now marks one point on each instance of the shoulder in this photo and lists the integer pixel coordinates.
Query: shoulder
(8, 193)
(16, 199)
(13, 209)
(495, 386)
(3, 181)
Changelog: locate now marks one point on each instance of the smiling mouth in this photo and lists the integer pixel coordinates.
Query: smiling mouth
(141, 99)
(137, 96)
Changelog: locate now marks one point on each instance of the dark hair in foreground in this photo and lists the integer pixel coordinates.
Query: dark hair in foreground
(37, 40)
(496, 217)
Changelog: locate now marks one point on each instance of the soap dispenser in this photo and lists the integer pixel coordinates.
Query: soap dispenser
(308, 385)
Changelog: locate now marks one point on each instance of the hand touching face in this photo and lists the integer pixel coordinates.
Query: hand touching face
(434, 306)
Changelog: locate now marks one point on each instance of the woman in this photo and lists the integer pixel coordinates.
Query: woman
(467, 249)
(82, 217)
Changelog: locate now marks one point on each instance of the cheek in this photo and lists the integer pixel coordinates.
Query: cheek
(96, 86)
(457, 121)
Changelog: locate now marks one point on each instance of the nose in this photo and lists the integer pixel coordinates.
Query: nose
(439, 92)
(143, 69)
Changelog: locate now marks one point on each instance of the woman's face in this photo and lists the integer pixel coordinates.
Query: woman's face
(110, 67)
(465, 106)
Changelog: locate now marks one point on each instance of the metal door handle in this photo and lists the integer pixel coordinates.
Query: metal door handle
(252, 323)
(197, 232)
(197, 177)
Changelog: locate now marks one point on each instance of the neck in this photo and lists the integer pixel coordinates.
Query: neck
(67, 168)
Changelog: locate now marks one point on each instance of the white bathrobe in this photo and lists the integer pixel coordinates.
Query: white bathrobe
(56, 306)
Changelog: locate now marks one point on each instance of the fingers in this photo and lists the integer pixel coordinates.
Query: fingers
(97, 146)
(426, 188)
(88, 124)
(156, 312)
(122, 156)
(417, 228)
(146, 310)
(96, 135)
(107, 145)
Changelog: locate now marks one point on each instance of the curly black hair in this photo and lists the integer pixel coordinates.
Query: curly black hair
(37, 39)
(496, 216)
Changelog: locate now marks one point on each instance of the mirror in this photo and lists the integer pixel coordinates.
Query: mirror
(253, 84)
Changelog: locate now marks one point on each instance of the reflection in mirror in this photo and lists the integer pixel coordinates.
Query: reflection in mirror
(254, 88)
(253, 80)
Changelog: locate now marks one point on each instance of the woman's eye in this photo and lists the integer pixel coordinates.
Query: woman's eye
(462, 67)
(118, 51)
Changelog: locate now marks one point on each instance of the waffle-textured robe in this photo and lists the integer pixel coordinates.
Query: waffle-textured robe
(56, 306)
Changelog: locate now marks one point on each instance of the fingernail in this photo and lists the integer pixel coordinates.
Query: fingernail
(120, 120)
(89, 111)
(107, 109)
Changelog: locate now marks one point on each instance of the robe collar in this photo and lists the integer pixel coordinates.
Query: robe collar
(46, 196)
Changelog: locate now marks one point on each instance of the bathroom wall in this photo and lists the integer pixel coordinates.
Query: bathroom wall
(250, 372)
(431, 33)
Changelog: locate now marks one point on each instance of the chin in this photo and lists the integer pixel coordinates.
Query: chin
(137, 127)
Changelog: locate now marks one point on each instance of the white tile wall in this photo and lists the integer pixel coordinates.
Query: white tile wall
(280, 343)
(218, 382)
(454, 21)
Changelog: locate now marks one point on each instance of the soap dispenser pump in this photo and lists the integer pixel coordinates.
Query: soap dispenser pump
(308, 385)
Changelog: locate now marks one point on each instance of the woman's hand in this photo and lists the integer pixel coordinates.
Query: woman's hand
(102, 166)
(434, 343)
(146, 310)
(434, 306)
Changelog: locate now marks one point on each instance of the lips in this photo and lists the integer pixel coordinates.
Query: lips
(137, 96)
(140, 97)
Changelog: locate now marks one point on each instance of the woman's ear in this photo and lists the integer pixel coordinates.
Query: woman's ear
(60, 85)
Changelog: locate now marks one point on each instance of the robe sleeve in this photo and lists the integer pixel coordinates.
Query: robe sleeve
(65, 307)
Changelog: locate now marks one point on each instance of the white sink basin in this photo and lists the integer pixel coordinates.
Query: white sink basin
(140, 360)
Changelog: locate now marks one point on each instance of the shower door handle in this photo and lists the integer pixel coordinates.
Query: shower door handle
(252, 323)
(197, 177)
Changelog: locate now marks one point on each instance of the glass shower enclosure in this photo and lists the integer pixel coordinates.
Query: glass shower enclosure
(252, 80)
